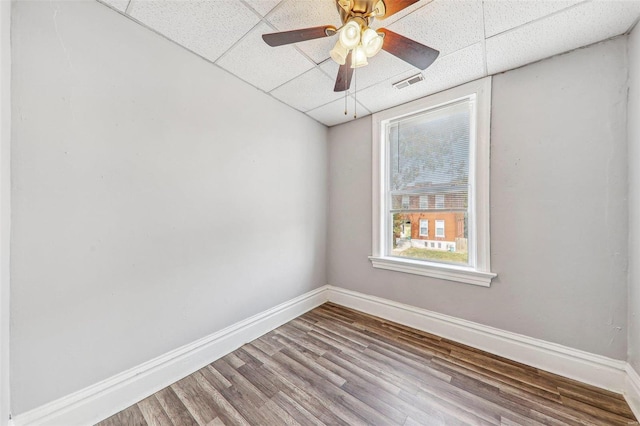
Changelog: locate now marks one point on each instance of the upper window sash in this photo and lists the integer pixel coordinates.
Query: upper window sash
(424, 228)
(479, 270)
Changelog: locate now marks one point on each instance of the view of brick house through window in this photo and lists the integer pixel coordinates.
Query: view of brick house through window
(429, 184)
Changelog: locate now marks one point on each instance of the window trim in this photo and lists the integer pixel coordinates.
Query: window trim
(407, 204)
(479, 270)
(425, 205)
(442, 227)
(420, 227)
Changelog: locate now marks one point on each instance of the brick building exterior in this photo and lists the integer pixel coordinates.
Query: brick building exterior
(432, 220)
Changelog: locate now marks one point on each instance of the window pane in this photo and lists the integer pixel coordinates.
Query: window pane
(429, 157)
(405, 202)
(424, 228)
(424, 201)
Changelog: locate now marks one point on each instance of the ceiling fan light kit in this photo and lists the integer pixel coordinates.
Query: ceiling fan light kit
(339, 53)
(355, 35)
(359, 57)
(372, 42)
(357, 41)
(350, 35)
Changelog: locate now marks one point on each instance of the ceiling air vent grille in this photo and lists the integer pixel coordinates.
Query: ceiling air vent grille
(408, 81)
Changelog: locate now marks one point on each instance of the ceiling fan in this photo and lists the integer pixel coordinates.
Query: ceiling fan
(357, 41)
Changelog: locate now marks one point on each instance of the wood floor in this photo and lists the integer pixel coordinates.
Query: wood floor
(336, 366)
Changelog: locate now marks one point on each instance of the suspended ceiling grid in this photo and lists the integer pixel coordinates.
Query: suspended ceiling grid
(475, 38)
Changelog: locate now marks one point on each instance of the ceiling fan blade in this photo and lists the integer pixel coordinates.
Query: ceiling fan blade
(343, 81)
(395, 6)
(418, 55)
(295, 36)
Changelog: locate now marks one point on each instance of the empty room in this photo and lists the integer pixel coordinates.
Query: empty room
(319, 212)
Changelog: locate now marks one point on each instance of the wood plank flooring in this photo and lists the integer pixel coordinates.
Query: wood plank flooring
(335, 366)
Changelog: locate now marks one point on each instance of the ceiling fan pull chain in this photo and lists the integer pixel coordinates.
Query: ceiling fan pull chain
(345, 102)
(355, 93)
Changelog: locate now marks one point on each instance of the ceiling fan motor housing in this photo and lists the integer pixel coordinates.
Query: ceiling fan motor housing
(358, 8)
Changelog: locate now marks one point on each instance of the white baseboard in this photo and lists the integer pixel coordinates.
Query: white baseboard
(589, 368)
(97, 402)
(632, 392)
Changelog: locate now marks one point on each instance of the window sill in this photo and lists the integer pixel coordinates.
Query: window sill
(445, 272)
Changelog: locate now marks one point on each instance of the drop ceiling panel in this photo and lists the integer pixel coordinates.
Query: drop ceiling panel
(399, 15)
(262, 6)
(205, 27)
(294, 14)
(333, 113)
(444, 25)
(121, 5)
(473, 36)
(318, 50)
(500, 16)
(448, 71)
(261, 65)
(381, 67)
(310, 90)
(575, 27)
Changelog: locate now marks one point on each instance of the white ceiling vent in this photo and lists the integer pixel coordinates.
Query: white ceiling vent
(408, 81)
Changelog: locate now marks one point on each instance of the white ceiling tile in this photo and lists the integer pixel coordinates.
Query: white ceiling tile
(121, 5)
(575, 27)
(262, 6)
(501, 15)
(264, 66)
(295, 14)
(308, 91)
(333, 113)
(381, 67)
(228, 32)
(397, 16)
(444, 25)
(318, 50)
(208, 28)
(446, 72)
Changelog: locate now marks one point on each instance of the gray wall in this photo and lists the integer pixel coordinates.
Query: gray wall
(633, 128)
(5, 198)
(156, 199)
(558, 208)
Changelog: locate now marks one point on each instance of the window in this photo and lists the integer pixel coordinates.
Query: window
(424, 201)
(405, 201)
(424, 228)
(436, 145)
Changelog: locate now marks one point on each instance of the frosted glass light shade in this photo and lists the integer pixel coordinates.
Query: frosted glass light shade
(372, 42)
(350, 35)
(339, 53)
(359, 57)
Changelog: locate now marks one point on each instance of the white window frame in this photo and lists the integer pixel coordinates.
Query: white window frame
(439, 222)
(439, 201)
(407, 204)
(424, 202)
(420, 227)
(478, 271)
